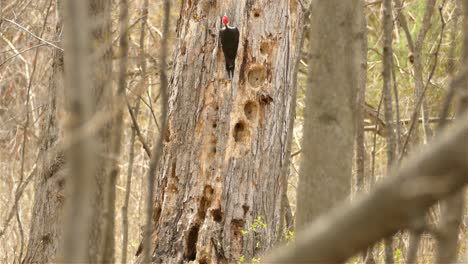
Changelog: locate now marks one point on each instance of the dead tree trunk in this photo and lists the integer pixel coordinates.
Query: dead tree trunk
(218, 189)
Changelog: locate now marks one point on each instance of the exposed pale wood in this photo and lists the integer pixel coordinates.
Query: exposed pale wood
(226, 142)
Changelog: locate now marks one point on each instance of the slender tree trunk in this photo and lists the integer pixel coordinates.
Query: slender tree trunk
(45, 233)
(330, 121)
(361, 99)
(226, 143)
(108, 237)
(361, 21)
(128, 188)
(418, 68)
(387, 98)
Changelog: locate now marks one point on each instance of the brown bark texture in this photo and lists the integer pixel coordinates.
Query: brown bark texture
(226, 144)
(45, 233)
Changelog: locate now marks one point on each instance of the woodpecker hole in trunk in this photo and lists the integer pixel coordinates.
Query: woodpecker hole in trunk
(204, 260)
(246, 209)
(237, 239)
(213, 150)
(256, 76)
(183, 49)
(256, 12)
(239, 132)
(167, 136)
(172, 188)
(191, 243)
(205, 202)
(217, 215)
(250, 110)
(173, 169)
(211, 147)
(265, 47)
(61, 183)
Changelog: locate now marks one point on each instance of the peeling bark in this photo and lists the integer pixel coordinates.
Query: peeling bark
(226, 143)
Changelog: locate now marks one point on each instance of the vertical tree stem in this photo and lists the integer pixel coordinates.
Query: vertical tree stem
(387, 98)
(158, 149)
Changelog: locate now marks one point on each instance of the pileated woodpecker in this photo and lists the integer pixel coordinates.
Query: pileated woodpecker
(229, 41)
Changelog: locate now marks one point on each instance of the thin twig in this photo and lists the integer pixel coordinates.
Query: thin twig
(20, 228)
(450, 68)
(138, 131)
(32, 34)
(374, 145)
(21, 52)
(421, 97)
(128, 190)
(397, 109)
(18, 193)
(150, 106)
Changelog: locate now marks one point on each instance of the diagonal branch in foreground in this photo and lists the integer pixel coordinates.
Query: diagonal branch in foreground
(438, 170)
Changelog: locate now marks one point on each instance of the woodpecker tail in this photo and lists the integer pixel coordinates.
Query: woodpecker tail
(230, 70)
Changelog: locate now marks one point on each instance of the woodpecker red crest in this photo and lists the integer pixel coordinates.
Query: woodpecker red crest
(225, 20)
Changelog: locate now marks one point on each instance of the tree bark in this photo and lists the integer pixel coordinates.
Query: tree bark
(226, 142)
(329, 126)
(388, 102)
(45, 233)
(361, 99)
(46, 227)
(367, 256)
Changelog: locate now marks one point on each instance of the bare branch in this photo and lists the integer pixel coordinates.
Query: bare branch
(424, 178)
(138, 131)
(32, 34)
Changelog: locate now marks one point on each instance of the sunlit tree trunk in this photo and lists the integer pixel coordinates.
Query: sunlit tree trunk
(218, 189)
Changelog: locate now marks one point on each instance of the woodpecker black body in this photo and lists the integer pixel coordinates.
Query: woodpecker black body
(229, 37)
